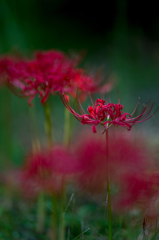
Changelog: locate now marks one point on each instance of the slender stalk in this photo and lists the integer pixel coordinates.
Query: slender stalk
(67, 134)
(40, 212)
(34, 130)
(7, 124)
(62, 221)
(62, 211)
(67, 127)
(35, 149)
(48, 124)
(55, 217)
(108, 189)
(55, 212)
(48, 129)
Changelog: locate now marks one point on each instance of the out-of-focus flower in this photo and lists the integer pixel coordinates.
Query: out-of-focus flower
(127, 155)
(108, 114)
(46, 171)
(140, 190)
(152, 208)
(48, 72)
(13, 71)
(136, 189)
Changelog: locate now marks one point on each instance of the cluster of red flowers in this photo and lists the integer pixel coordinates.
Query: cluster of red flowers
(48, 72)
(131, 171)
(108, 114)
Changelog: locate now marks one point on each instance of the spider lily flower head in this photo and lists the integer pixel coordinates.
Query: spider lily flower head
(108, 114)
(128, 155)
(151, 211)
(11, 68)
(134, 193)
(139, 190)
(45, 171)
(47, 73)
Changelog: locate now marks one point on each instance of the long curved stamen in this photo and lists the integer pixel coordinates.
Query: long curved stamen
(118, 96)
(136, 106)
(146, 111)
(91, 100)
(143, 113)
(146, 118)
(80, 106)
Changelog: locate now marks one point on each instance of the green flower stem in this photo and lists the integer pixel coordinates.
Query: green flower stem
(55, 217)
(55, 212)
(40, 212)
(36, 148)
(67, 127)
(7, 123)
(62, 221)
(67, 134)
(108, 190)
(62, 212)
(34, 130)
(48, 124)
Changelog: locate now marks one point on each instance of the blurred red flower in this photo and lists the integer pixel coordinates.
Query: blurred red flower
(48, 72)
(128, 155)
(46, 171)
(140, 190)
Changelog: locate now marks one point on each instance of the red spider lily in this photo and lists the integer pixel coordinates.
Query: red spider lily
(140, 191)
(135, 190)
(128, 155)
(46, 171)
(49, 72)
(108, 114)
